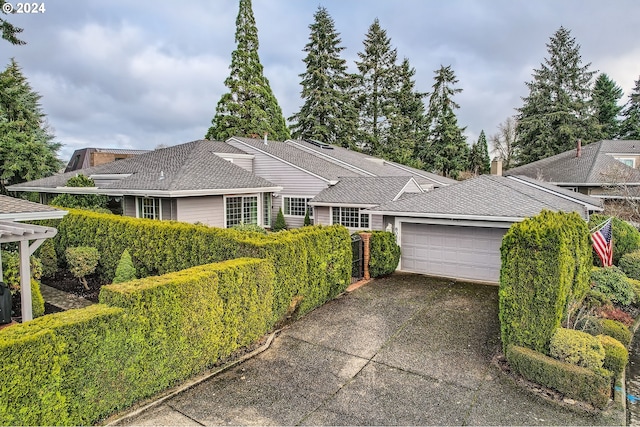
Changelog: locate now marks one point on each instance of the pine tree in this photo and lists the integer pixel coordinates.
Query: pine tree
(606, 95)
(27, 150)
(378, 77)
(328, 113)
(556, 112)
(125, 271)
(630, 128)
(479, 162)
(9, 31)
(445, 149)
(249, 108)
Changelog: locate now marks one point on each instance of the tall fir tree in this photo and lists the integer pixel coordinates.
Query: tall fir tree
(27, 149)
(606, 96)
(479, 162)
(556, 113)
(445, 149)
(376, 97)
(9, 31)
(328, 113)
(630, 127)
(250, 107)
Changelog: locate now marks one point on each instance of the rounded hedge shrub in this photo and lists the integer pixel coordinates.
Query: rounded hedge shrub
(630, 264)
(577, 348)
(616, 330)
(384, 253)
(612, 282)
(616, 355)
(48, 257)
(626, 238)
(82, 261)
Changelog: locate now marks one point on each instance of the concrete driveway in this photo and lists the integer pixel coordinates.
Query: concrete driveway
(403, 350)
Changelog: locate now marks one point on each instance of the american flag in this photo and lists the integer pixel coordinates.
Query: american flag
(602, 243)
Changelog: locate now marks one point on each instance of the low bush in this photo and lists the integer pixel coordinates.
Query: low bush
(612, 282)
(11, 268)
(125, 270)
(616, 330)
(578, 348)
(635, 286)
(616, 355)
(384, 253)
(82, 261)
(626, 238)
(630, 264)
(250, 227)
(574, 381)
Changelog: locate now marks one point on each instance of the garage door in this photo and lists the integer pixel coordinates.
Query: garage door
(452, 251)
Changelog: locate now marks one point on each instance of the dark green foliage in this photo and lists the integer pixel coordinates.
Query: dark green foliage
(249, 108)
(445, 149)
(616, 355)
(577, 347)
(556, 113)
(606, 95)
(280, 223)
(626, 238)
(82, 261)
(576, 382)
(9, 32)
(328, 113)
(80, 201)
(254, 228)
(384, 253)
(48, 258)
(630, 264)
(27, 150)
(546, 262)
(125, 271)
(614, 284)
(307, 219)
(479, 162)
(630, 127)
(11, 268)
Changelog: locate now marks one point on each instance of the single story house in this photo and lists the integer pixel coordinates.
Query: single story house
(456, 231)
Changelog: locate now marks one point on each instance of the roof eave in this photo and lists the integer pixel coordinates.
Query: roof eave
(33, 216)
(449, 216)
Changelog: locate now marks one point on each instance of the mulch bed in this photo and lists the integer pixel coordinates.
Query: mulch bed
(64, 281)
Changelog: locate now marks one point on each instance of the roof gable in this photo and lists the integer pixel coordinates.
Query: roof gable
(368, 191)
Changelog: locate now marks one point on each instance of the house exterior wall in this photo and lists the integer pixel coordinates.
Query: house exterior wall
(246, 164)
(129, 206)
(376, 222)
(208, 210)
(322, 215)
(169, 209)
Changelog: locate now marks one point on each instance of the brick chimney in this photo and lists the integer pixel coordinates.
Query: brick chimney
(579, 148)
(496, 166)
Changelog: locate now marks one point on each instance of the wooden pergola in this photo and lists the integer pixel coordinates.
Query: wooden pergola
(28, 236)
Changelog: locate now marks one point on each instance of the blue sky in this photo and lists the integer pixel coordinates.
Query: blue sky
(137, 74)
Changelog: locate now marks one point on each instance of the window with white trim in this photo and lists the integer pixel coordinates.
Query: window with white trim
(629, 161)
(241, 210)
(296, 206)
(149, 207)
(349, 217)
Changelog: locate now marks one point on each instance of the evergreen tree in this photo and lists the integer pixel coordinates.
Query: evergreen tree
(249, 108)
(9, 32)
(630, 128)
(445, 149)
(27, 150)
(376, 98)
(556, 112)
(125, 271)
(328, 113)
(479, 162)
(606, 95)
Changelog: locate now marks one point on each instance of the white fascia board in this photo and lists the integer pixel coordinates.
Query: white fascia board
(200, 192)
(343, 205)
(235, 156)
(110, 175)
(411, 179)
(33, 216)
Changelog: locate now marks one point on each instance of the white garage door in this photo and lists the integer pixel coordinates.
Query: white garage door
(452, 251)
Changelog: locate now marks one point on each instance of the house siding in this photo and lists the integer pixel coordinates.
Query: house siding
(246, 164)
(208, 210)
(129, 206)
(169, 209)
(376, 222)
(322, 215)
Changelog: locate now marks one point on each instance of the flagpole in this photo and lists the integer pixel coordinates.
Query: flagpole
(598, 227)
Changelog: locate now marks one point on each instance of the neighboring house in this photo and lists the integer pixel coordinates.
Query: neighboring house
(456, 231)
(606, 169)
(200, 181)
(88, 157)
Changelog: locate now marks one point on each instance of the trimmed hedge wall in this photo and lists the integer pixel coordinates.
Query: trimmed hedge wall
(546, 263)
(384, 253)
(574, 381)
(78, 366)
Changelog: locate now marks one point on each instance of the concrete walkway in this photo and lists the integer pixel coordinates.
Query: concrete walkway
(61, 299)
(404, 350)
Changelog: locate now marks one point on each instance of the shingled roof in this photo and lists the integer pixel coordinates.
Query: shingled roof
(12, 208)
(486, 197)
(595, 166)
(188, 167)
(365, 191)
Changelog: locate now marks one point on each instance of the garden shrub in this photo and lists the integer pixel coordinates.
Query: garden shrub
(612, 282)
(48, 258)
(384, 253)
(280, 223)
(577, 348)
(626, 238)
(250, 228)
(630, 264)
(616, 355)
(615, 313)
(546, 262)
(82, 261)
(125, 270)
(574, 381)
(616, 330)
(307, 219)
(635, 286)
(11, 268)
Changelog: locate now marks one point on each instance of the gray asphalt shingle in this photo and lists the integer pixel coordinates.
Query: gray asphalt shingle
(363, 190)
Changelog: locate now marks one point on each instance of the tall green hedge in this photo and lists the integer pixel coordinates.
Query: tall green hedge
(546, 262)
(384, 253)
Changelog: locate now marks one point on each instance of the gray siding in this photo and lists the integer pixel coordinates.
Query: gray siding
(322, 215)
(246, 164)
(208, 210)
(376, 222)
(129, 206)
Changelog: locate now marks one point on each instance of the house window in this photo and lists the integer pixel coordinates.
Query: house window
(629, 161)
(241, 210)
(350, 217)
(149, 207)
(297, 206)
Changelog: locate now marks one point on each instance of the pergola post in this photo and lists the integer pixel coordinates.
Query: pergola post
(25, 281)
